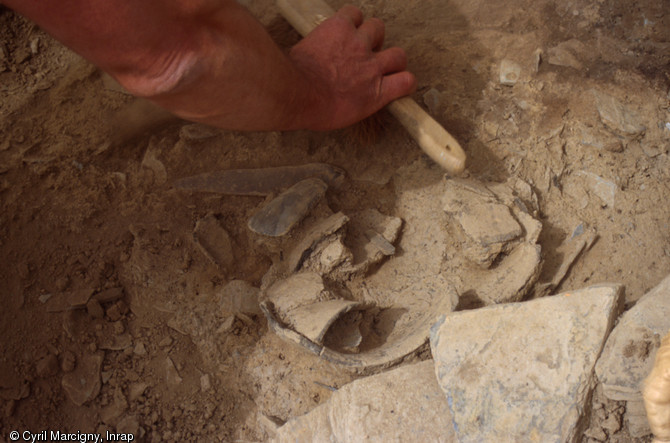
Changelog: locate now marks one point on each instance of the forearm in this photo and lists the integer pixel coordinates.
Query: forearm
(208, 61)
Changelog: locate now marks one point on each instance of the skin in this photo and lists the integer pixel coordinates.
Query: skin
(210, 61)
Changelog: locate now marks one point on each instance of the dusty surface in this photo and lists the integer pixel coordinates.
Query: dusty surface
(580, 112)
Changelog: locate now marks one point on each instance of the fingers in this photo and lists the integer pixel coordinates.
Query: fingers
(396, 85)
(352, 14)
(372, 30)
(392, 60)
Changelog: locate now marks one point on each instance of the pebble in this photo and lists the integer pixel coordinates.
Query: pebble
(432, 100)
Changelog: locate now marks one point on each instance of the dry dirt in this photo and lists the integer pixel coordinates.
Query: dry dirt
(88, 206)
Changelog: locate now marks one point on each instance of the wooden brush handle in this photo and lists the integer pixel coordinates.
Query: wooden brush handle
(305, 15)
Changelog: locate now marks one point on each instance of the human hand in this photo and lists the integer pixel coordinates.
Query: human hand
(348, 74)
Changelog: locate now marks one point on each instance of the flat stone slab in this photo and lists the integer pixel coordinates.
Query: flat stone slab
(630, 351)
(523, 371)
(405, 404)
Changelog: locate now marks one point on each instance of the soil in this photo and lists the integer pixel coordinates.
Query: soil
(89, 210)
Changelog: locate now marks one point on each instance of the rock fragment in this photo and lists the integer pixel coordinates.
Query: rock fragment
(488, 225)
(151, 162)
(94, 308)
(214, 241)
(66, 301)
(617, 117)
(567, 53)
(83, 384)
(109, 295)
(393, 406)
(523, 371)
(281, 214)
(172, 376)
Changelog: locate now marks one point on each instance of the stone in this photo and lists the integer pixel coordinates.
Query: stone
(94, 308)
(617, 117)
(523, 371)
(488, 225)
(136, 390)
(140, 349)
(115, 342)
(151, 162)
(567, 53)
(109, 295)
(83, 384)
(279, 216)
(172, 376)
(239, 296)
(604, 189)
(214, 241)
(205, 383)
(432, 99)
(636, 419)
(510, 72)
(66, 301)
(630, 351)
(401, 404)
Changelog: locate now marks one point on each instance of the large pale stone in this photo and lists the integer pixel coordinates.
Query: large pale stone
(629, 353)
(405, 404)
(523, 371)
